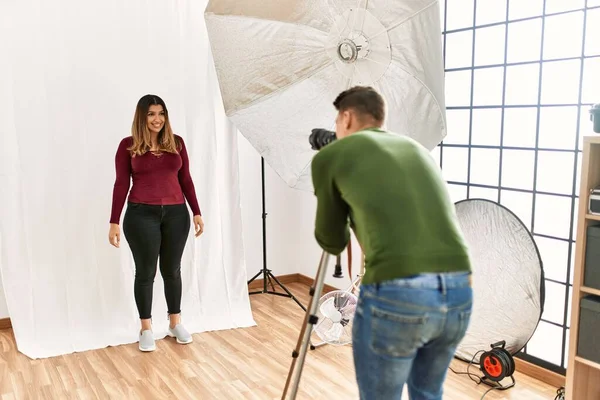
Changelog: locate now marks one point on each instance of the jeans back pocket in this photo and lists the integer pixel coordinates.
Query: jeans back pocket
(398, 334)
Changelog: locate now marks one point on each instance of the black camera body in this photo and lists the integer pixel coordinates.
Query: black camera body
(320, 138)
(595, 117)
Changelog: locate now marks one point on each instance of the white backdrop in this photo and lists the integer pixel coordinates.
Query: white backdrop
(70, 76)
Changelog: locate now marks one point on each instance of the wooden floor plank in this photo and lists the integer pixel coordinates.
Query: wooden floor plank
(249, 363)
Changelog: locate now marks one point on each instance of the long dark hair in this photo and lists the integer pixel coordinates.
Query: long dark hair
(142, 142)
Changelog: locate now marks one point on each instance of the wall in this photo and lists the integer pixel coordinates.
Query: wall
(291, 247)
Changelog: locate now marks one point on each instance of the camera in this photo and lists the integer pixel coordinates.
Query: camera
(595, 117)
(320, 138)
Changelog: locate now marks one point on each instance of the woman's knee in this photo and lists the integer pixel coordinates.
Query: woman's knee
(171, 274)
(144, 277)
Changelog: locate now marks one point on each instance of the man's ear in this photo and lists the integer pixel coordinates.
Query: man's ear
(347, 119)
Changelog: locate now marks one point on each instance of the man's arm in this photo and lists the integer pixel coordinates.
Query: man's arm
(331, 225)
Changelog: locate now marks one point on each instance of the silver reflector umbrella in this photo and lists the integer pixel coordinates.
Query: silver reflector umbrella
(281, 63)
(508, 279)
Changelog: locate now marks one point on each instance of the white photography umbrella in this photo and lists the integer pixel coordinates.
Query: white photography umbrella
(281, 63)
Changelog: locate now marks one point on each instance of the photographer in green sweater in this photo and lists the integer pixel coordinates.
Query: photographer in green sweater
(415, 298)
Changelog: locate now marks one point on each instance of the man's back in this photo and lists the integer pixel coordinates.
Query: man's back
(398, 205)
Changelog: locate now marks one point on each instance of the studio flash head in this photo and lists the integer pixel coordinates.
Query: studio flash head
(320, 138)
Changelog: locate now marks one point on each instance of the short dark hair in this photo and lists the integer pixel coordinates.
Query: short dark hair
(364, 100)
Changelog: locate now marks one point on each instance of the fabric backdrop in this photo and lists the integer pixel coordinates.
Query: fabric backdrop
(70, 76)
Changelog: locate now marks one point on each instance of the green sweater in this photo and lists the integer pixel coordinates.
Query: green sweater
(390, 191)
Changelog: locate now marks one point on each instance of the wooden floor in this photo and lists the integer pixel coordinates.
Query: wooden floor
(250, 363)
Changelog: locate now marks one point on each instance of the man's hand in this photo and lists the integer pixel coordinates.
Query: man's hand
(198, 225)
(114, 235)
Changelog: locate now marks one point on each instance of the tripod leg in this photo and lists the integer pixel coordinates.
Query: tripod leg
(270, 281)
(288, 292)
(310, 319)
(255, 276)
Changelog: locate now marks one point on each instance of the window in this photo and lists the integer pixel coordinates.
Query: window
(520, 127)
(518, 167)
(519, 9)
(458, 88)
(487, 86)
(591, 80)
(490, 11)
(458, 126)
(485, 128)
(522, 84)
(489, 45)
(520, 79)
(560, 82)
(563, 35)
(524, 41)
(558, 127)
(455, 164)
(485, 164)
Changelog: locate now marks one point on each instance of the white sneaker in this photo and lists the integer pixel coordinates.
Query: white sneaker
(182, 335)
(147, 341)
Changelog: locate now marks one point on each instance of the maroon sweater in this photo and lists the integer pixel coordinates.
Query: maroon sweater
(157, 180)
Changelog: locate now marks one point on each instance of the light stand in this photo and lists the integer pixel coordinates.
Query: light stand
(266, 273)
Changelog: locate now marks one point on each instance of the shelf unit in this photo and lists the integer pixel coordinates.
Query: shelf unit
(583, 376)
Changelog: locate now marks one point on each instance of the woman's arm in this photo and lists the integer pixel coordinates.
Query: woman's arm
(185, 179)
(122, 180)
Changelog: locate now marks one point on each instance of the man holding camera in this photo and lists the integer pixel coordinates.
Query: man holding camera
(415, 297)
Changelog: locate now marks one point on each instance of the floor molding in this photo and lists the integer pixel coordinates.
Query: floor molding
(5, 323)
(287, 279)
(310, 281)
(539, 373)
(257, 284)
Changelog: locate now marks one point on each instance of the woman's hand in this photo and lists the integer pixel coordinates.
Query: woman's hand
(114, 235)
(198, 225)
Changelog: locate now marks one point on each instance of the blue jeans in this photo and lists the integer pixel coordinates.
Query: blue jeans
(407, 331)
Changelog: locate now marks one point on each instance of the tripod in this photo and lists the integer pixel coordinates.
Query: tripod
(266, 273)
(310, 319)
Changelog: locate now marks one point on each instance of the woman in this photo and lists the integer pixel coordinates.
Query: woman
(156, 224)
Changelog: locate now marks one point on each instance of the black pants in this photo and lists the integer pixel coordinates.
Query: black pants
(153, 232)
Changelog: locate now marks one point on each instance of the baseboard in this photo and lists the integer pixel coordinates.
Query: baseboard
(540, 373)
(310, 281)
(287, 279)
(284, 279)
(5, 323)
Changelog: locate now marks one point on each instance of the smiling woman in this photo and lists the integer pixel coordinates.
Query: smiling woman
(151, 129)
(157, 222)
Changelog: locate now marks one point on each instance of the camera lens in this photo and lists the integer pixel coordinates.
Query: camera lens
(319, 138)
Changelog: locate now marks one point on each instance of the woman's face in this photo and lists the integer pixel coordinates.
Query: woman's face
(156, 118)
